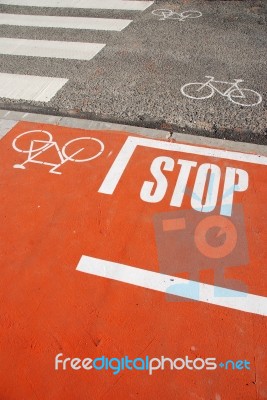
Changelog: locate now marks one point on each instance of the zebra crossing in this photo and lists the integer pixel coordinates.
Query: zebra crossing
(43, 88)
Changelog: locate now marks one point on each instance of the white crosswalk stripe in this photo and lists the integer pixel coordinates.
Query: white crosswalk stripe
(42, 88)
(27, 87)
(102, 24)
(49, 48)
(87, 4)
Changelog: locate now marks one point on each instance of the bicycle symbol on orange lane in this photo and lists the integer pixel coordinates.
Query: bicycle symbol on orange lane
(36, 143)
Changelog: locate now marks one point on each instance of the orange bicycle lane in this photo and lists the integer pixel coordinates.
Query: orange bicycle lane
(106, 210)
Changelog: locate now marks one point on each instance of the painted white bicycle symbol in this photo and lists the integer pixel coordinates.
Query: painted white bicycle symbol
(240, 96)
(37, 142)
(169, 14)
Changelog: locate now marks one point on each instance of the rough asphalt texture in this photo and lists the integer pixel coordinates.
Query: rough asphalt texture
(137, 78)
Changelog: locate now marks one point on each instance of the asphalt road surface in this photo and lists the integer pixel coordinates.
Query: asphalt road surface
(139, 76)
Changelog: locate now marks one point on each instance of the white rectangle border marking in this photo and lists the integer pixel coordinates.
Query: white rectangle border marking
(119, 165)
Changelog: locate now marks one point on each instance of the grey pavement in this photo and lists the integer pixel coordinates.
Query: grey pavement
(137, 78)
(8, 119)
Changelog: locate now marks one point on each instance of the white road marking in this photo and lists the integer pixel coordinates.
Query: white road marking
(94, 4)
(28, 87)
(49, 48)
(171, 284)
(119, 165)
(236, 94)
(38, 147)
(102, 24)
(169, 14)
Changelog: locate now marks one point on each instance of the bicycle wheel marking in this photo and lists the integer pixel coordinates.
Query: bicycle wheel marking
(237, 99)
(169, 14)
(14, 144)
(87, 159)
(26, 143)
(237, 95)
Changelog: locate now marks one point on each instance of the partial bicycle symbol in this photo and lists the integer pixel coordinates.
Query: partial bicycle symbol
(169, 14)
(240, 96)
(37, 143)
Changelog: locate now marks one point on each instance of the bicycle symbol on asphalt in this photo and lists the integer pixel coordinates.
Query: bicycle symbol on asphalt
(237, 95)
(169, 14)
(35, 143)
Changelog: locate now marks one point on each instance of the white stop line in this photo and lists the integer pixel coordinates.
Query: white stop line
(172, 285)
